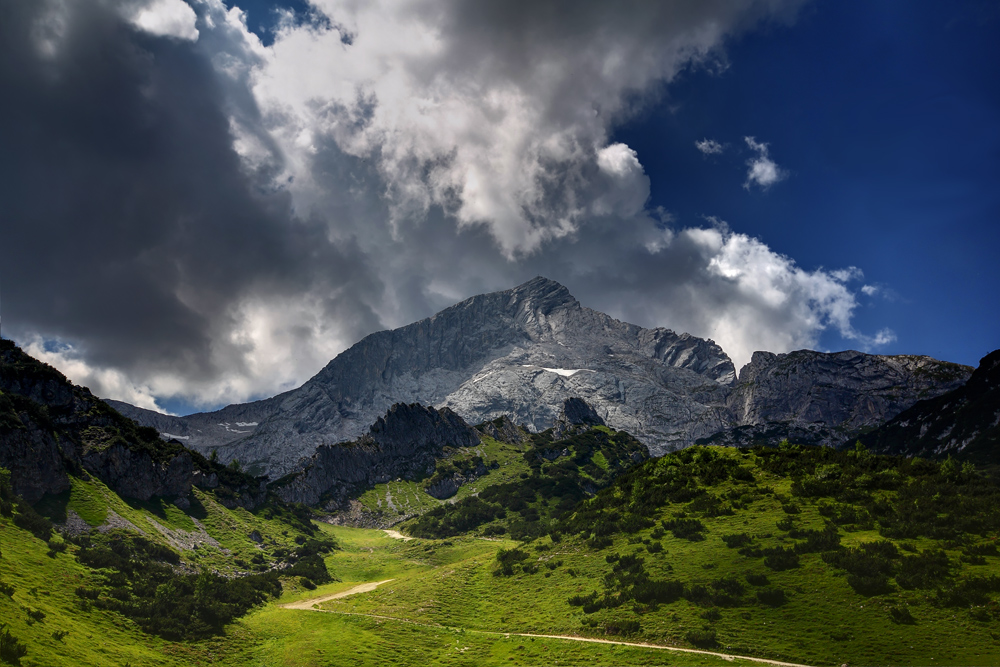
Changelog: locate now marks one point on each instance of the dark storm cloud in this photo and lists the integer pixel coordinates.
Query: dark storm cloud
(130, 225)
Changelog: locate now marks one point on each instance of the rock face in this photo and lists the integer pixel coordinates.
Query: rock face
(50, 428)
(519, 353)
(576, 416)
(964, 422)
(522, 352)
(828, 398)
(405, 443)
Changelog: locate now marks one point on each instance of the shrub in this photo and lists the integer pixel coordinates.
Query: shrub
(755, 579)
(307, 583)
(685, 529)
(772, 597)
(901, 615)
(778, 558)
(924, 570)
(704, 638)
(621, 627)
(11, 650)
(711, 615)
(7, 589)
(737, 540)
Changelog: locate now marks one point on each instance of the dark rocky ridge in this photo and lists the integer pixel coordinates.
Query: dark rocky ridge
(964, 422)
(405, 443)
(50, 428)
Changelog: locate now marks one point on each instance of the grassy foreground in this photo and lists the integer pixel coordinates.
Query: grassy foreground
(273, 635)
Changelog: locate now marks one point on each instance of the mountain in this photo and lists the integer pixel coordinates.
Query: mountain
(828, 399)
(522, 352)
(965, 421)
(51, 430)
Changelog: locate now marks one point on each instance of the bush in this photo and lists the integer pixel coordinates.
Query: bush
(925, 570)
(11, 650)
(686, 529)
(31, 521)
(621, 627)
(779, 559)
(755, 579)
(737, 540)
(772, 597)
(704, 638)
(307, 583)
(6, 589)
(901, 615)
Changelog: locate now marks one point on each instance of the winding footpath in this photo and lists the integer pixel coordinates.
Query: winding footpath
(313, 605)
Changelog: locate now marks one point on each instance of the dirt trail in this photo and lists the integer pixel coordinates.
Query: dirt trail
(396, 535)
(363, 588)
(308, 604)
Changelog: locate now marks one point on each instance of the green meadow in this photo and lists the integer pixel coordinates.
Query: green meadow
(802, 555)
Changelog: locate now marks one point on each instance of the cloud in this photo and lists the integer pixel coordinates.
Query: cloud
(166, 18)
(709, 146)
(209, 219)
(763, 171)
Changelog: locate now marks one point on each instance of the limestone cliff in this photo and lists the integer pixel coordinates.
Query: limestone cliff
(828, 398)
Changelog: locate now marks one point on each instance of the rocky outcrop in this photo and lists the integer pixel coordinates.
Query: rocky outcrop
(576, 416)
(964, 422)
(503, 429)
(50, 428)
(405, 443)
(446, 486)
(821, 398)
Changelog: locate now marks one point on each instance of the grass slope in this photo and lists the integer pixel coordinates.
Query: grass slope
(275, 636)
(809, 600)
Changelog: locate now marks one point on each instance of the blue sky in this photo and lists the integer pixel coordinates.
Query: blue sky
(205, 205)
(887, 116)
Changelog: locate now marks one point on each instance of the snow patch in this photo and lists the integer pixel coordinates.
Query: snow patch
(565, 372)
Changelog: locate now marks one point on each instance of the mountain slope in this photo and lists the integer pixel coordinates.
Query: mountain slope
(965, 421)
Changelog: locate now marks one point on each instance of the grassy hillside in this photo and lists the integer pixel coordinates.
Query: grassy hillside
(803, 554)
(538, 483)
(135, 574)
(397, 500)
(276, 636)
(807, 555)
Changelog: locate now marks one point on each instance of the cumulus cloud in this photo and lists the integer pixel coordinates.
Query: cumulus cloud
(165, 18)
(709, 146)
(232, 215)
(763, 171)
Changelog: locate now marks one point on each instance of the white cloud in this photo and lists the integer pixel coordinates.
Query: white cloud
(166, 18)
(763, 171)
(495, 113)
(709, 146)
(870, 290)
